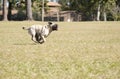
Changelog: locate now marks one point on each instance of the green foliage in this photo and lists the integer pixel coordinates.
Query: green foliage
(21, 5)
(88, 8)
(64, 4)
(37, 5)
(37, 8)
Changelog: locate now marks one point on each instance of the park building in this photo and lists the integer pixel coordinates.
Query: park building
(55, 14)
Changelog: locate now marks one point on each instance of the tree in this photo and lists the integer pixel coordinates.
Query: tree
(10, 7)
(5, 11)
(107, 7)
(98, 11)
(85, 8)
(64, 4)
(38, 8)
(82, 7)
(93, 9)
(28, 10)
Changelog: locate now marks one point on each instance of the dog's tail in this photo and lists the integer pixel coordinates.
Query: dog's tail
(25, 28)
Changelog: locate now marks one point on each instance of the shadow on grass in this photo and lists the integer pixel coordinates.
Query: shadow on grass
(26, 44)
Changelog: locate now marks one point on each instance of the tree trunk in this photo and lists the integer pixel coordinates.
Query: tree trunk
(43, 10)
(58, 18)
(5, 11)
(28, 10)
(10, 11)
(98, 13)
(105, 16)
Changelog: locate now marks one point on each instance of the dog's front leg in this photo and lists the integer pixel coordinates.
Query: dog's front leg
(42, 40)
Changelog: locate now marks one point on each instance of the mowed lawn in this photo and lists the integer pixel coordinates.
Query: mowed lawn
(78, 50)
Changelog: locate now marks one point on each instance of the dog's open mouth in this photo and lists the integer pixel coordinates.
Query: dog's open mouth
(55, 27)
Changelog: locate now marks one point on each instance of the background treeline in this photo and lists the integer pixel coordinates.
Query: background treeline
(94, 9)
(90, 10)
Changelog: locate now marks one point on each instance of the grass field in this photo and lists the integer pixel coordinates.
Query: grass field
(83, 50)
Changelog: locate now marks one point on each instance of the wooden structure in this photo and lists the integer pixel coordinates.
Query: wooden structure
(53, 12)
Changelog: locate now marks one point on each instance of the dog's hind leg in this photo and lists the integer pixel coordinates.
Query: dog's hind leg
(38, 37)
(33, 38)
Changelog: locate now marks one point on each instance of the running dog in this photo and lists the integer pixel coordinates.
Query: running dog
(39, 32)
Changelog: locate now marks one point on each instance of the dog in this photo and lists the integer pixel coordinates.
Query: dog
(39, 33)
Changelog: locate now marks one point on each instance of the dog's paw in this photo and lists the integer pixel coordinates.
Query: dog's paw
(41, 42)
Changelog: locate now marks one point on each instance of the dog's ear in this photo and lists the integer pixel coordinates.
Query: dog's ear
(49, 23)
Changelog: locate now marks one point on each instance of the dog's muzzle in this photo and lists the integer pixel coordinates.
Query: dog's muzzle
(55, 27)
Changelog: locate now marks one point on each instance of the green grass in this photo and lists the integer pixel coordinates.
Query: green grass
(83, 50)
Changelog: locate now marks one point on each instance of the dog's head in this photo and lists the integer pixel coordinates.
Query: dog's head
(53, 26)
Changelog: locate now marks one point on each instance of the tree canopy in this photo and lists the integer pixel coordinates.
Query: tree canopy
(89, 9)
